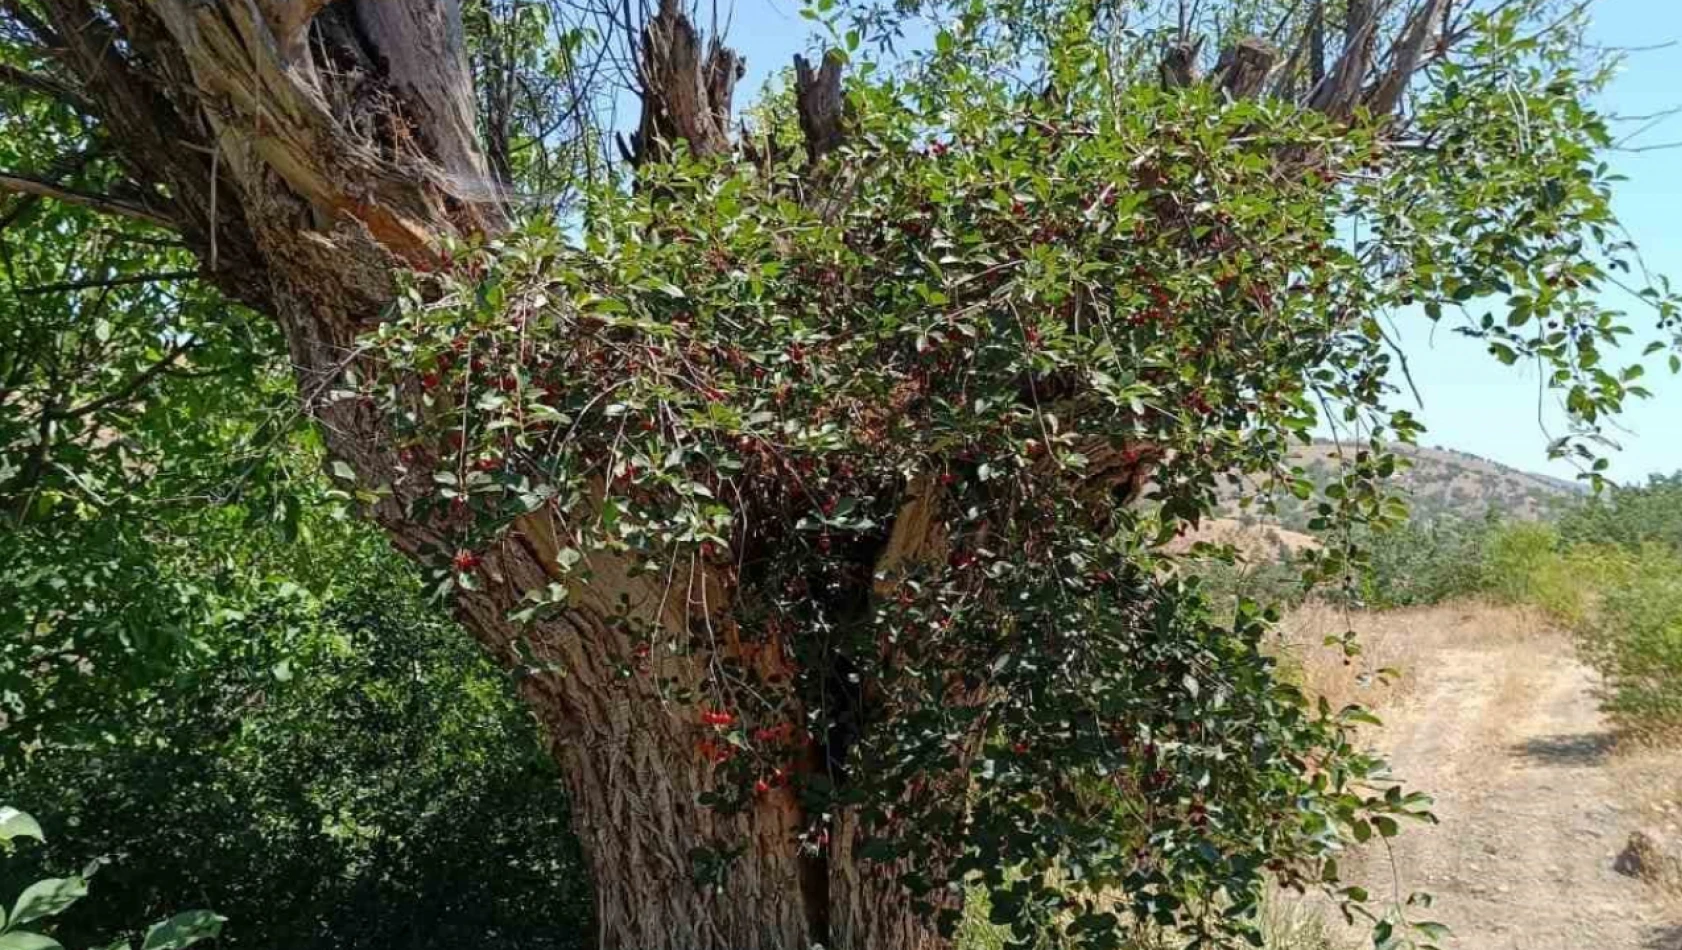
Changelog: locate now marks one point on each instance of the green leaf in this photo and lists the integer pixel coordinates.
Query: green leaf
(184, 930)
(48, 897)
(15, 824)
(24, 940)
(1431, 929)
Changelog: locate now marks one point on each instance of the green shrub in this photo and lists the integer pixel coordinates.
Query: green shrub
(1225, 584)
(345, 769)
(1633, 637)
(1620, 595)
(1426, 562)
(1630, 517)
(1516, 558)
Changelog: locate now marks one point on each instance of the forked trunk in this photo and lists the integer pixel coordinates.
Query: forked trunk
(309, 151)
(313, 151)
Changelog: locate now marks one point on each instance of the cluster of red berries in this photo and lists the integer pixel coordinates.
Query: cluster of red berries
(777, 779)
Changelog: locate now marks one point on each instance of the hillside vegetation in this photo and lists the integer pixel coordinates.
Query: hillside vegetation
(1437, 483)
(1608, 569)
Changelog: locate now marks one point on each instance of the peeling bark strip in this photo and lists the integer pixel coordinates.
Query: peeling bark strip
(323, 147)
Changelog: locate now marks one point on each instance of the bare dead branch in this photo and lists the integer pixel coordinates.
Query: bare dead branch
(818, 98)
(1244, 67)
(1179, 64)
(1337, 94)
(128, 280)
(24, 79)
(101, 203)
(685, 96)
(1386, 95)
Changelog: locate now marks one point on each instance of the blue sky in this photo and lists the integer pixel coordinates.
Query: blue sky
(1471, 402)
(1477, 405)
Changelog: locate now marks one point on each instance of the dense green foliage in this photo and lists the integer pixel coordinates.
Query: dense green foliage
(1613, 573)
(210, 681)
(1631, 517)
(299, 741)
(328, 763)
(1023, 299)
(1006, 314)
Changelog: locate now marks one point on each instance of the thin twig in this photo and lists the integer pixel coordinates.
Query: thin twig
(23, 78)
(127, 389)
(125, 281)
(102, 203)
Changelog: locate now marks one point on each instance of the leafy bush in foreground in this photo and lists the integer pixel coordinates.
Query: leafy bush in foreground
(342, 769)
(27, 925)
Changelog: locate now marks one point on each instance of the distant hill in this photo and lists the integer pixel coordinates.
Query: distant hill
(1440, 483)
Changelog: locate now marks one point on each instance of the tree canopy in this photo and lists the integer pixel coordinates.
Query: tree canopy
(816, 497)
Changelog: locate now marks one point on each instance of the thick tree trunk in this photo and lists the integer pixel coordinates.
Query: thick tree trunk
(314, 150)
(669, 872)
(309, 151)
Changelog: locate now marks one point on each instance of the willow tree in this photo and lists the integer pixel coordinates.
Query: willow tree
(817, 496)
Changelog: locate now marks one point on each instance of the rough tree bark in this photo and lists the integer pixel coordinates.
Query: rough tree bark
(308, 151)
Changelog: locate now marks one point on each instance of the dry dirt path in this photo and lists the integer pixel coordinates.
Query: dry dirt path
(1501, 727)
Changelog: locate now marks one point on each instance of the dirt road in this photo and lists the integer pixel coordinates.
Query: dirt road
(1499, 723)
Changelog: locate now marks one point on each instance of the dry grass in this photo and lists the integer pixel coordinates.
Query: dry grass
(1393, 645)
(1255, 543)
(1293, 922)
